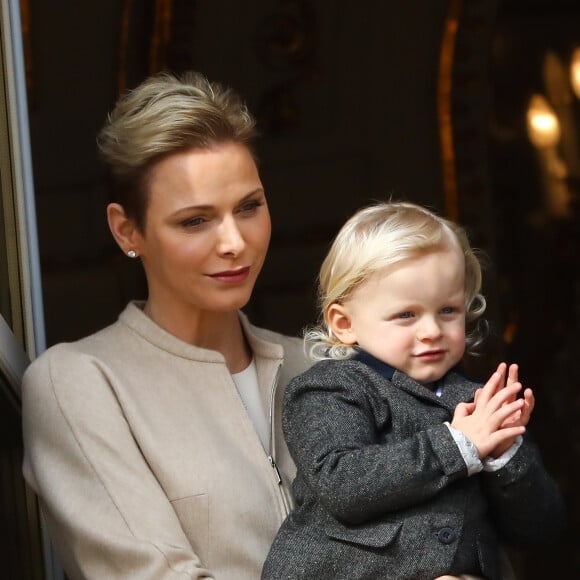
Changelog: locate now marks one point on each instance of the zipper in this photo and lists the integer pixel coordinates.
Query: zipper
(275, 468)
(286, 501)
(272, 443)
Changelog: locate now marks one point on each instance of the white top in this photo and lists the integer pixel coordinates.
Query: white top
(247, 385)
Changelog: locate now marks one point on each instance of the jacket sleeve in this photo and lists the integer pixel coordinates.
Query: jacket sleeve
(107, 515)
(524, 499)
(332, 425)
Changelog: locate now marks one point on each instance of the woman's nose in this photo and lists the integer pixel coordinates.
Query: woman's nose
(230, 239)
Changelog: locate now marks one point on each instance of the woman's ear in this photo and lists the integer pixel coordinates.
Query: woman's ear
(123, 229)
(338, 320)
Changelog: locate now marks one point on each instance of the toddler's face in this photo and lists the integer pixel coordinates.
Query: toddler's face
(412, 315)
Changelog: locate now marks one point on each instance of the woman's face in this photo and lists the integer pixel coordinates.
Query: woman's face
(206, 232)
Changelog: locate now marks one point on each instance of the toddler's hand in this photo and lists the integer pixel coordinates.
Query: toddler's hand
(521, 417)
(494, 419)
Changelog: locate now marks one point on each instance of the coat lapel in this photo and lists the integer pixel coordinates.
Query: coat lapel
(456, 389)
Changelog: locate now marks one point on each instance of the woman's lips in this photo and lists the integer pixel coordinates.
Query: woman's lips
(232, 276)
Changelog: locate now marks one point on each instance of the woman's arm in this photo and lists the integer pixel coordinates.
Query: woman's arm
(106, 513)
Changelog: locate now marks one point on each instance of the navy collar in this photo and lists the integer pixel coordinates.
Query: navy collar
(381, 367)
(386, 370)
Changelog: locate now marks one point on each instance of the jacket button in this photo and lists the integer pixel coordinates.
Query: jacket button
(446, 535)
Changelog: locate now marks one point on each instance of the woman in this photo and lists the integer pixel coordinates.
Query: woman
(154, 445)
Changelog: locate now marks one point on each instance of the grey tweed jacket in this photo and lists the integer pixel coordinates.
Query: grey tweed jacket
(382, 491)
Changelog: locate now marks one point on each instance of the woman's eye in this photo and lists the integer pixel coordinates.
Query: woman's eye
(250, 206)
(193, 222)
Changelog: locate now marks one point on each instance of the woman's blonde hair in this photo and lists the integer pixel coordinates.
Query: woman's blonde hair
(166, 114)
(382, 235)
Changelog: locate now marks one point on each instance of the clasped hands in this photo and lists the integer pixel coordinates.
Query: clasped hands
(496, 416)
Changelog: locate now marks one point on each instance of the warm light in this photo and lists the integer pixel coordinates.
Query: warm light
(543, 122)
(543, 125)
(575, 72)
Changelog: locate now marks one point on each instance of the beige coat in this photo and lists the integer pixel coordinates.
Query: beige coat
(144, 459)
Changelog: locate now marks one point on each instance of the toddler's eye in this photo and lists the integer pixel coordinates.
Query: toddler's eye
(448, 310)
(407, 314)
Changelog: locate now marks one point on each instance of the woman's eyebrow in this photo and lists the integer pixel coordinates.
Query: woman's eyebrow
(207, 206)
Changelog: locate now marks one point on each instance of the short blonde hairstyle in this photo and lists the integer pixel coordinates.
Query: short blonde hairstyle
(167, 114)
(379, 236)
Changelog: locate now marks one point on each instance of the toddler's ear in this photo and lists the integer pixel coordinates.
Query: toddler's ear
(338, 320)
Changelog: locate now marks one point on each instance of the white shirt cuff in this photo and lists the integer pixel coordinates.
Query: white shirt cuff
(491, 464)
(467, 449)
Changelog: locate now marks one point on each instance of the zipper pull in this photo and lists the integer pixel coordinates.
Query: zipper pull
(275, 468)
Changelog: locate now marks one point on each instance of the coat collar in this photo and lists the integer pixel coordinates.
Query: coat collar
(259, 341)
(456, 388)
(134, 317)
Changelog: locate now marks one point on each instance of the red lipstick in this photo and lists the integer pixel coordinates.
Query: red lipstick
(232, 276)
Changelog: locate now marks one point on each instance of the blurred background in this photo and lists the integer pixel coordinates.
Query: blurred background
(471, 107)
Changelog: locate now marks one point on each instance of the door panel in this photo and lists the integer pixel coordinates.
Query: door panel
(25, 552)
(20, 535)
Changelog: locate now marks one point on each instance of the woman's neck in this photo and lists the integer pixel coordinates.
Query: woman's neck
(218, 331)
